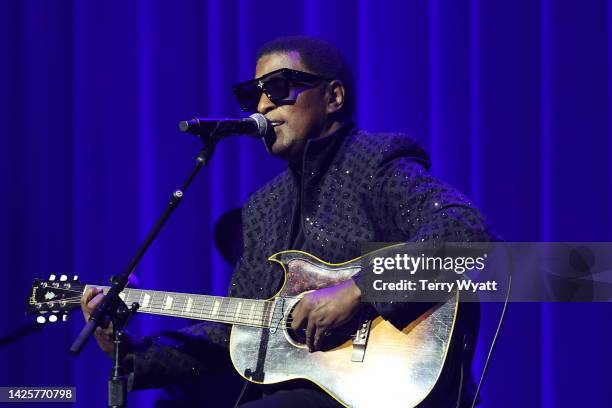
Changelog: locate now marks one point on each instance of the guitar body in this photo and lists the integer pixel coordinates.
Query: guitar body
(382, 367)
(399, 368)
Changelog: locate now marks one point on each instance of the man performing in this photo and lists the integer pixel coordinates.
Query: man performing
(342, 187)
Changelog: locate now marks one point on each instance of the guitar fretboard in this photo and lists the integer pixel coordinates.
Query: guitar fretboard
(245, 312)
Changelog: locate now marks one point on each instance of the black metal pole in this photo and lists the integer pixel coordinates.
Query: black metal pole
(112, 306)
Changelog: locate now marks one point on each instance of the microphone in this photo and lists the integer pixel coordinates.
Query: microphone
(255, 125)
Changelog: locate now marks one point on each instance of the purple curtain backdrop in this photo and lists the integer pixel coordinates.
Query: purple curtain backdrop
(512, 100)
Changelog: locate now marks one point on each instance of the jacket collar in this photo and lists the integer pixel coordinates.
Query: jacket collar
(320, 152)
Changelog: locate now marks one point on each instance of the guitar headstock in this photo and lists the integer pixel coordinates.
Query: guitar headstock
(54, 296)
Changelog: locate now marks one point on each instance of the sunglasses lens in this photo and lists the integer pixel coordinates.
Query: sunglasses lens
(277, 88)
(247, 95)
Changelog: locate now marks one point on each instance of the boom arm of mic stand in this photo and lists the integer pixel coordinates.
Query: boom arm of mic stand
(109, 305)
(113, 307)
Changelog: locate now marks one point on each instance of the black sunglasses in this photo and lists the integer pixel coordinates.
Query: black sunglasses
(277, 85)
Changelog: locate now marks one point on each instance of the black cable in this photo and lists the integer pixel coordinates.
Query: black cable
(242, 391)
(493, 342)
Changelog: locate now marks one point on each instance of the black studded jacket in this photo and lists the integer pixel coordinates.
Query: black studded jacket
(353, 187)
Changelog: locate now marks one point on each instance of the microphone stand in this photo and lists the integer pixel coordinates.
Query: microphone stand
(114, 308)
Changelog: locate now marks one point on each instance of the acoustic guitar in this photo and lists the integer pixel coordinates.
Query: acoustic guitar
(368, 363)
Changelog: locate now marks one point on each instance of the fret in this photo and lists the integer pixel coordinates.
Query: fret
(185, 300)
(188, 306)
(168, 301)
(146, 299)
(140, 298)
(156, 302)
(129, 296)
(196, 307)
(244, 311)
(153, 300)
(124, 295)
(176, 299)
(215, 308)
(265, 312)
(226, 307)
(179, 303)
(272, 309)
(221, 308)
(206, 307)
(237, 316)
(257, 313)
(251, 311)
(193, 310)
(231, 309)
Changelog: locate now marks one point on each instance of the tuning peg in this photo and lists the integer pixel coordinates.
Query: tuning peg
(53, 318)
(41, 319)
(63, 278)
(52, 277)
(64, 318)
(76, 277)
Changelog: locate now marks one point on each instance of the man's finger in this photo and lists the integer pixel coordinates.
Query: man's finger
(311, 328)
(299, 315)
(93, 305)
(321, 332)
(86, 298)
(95, 302)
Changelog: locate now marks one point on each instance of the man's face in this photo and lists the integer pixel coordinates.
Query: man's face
(294, 123)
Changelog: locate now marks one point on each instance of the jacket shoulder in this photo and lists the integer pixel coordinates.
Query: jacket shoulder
(381, 148)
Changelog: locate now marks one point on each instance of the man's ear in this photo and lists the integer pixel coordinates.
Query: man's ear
(336, 96)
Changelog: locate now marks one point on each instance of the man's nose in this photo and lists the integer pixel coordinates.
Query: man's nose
(265, 105)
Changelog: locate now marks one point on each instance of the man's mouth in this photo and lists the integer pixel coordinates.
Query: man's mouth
(276, 123)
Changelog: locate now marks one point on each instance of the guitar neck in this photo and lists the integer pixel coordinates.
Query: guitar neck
(244, 312)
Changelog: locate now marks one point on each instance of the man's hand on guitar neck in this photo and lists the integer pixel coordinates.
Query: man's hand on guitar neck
(325, 309)
(90, 301)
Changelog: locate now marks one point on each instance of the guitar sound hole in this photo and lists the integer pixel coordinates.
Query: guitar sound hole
(299, 335)
(334, 339)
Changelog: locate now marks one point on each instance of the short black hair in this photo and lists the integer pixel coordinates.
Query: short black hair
(322, 58)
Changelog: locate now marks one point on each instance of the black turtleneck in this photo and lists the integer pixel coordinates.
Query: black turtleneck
(318, 154)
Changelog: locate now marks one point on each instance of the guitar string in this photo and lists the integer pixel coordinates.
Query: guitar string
(200, 304)
(222, 317)
(129, 291)
(179, 295)
(205, 313)
(201, 308)
(259, 308)
(199, 298)
(258, 312)
(212, 319)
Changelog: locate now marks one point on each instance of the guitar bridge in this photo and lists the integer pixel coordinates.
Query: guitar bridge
(360, 341)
